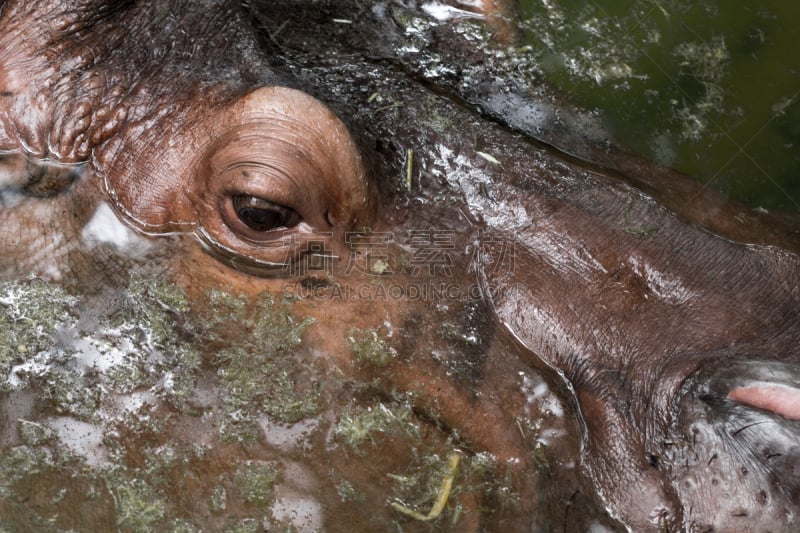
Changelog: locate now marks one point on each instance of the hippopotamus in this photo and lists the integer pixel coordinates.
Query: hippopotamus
(191, 139)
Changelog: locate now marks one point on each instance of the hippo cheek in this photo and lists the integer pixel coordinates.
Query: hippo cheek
(271, 178)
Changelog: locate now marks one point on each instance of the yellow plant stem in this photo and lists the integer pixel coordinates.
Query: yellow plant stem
(441, 497)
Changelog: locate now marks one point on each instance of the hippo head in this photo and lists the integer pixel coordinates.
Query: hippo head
(675, 349)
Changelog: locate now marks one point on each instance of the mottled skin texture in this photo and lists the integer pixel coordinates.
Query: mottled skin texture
(668, 340)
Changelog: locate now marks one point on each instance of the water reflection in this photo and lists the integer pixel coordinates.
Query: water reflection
(709, 88)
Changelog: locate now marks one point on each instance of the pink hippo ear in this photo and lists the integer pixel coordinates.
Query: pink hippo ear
(782, 400)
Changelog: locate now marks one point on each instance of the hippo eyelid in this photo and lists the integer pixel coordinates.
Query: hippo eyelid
(229, 256)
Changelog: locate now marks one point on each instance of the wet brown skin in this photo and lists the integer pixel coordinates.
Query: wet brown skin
(641, 308)
(655, 323)
(169, 145)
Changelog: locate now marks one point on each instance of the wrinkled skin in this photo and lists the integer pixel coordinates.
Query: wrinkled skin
(675, 349)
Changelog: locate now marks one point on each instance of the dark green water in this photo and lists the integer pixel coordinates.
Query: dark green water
(710, 87)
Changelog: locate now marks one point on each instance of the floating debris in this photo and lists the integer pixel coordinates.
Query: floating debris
(488, 157)
(441, 497)
(409, 169)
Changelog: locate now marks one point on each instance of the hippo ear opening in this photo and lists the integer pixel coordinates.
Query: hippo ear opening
(781, 400)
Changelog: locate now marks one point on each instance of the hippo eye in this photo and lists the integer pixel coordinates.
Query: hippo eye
(262, 215)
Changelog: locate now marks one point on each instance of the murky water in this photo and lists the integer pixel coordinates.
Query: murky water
(710, 88)
(140, 410)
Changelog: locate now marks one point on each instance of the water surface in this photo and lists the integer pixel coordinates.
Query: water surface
(709, 88)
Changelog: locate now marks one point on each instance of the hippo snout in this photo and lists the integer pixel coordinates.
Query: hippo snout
(735, 458)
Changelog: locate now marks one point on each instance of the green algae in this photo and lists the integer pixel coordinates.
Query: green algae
(358, 426)
(138, 506)
(240, 364)
(441, 496)
(130, 376)
(423, 488)
(152, 321)
(256, 372)
(22, 462)
(33, 433)
(182, 526)
(42, 471)
(248, 525)
(370, 348)
(256, 480)
(159, 462)
(30, 313)
(348, 492)
(539, 455)
(219, 499)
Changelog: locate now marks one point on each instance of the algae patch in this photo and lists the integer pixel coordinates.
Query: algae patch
(31, 313)
(361, 425)
(434, 486)
(138, 506)
(257, 373)
(256, 481)
(441, 496)
(112, 400)
(370, 348)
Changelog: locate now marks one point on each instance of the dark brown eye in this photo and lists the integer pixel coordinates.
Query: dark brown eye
(262, 215)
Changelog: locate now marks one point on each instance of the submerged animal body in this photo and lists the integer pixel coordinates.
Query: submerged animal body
(675, 349)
